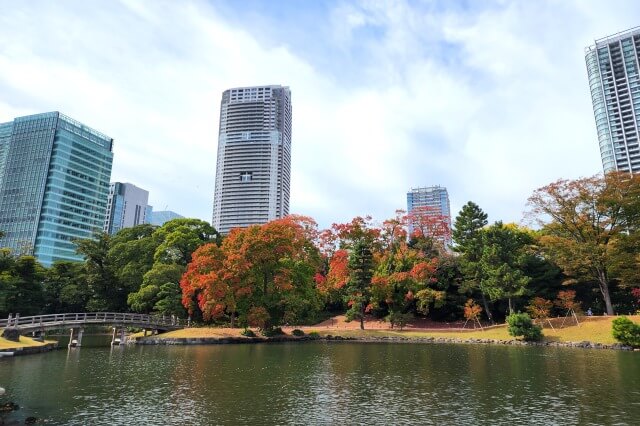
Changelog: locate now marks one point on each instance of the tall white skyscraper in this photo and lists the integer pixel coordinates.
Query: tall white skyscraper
(614, 81)
(253, 167)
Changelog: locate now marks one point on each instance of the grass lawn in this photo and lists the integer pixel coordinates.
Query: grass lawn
(24, 342)
(592, 329)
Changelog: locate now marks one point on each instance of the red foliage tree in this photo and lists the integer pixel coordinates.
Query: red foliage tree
(269, 266)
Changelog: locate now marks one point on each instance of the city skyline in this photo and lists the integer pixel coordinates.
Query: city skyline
(380, 102)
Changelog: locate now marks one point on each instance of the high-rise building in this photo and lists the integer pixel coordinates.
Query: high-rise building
(54, 182)
(430, 208)
(126, 207)
(253, 167)
(161, 217)
(614, 80)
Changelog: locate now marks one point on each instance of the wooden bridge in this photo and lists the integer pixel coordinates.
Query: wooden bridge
(76, 321)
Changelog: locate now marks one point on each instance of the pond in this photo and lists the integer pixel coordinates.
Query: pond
(325, 383)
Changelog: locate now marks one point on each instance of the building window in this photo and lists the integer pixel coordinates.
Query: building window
(246, 177)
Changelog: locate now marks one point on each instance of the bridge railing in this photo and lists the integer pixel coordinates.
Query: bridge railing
(93, 318)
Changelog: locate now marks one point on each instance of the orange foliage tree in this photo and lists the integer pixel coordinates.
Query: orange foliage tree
(268, 266)
(540, 308)
(472, 312)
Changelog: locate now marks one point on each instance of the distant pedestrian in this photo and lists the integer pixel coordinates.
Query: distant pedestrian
(589, 312)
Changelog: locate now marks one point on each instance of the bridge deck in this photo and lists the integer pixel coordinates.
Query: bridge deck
(54, 321)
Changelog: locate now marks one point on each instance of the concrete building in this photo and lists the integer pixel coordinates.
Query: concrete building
(126, 207)
(54, 182)
(614, 80)
(253, 165)
(432, 201)
(161, 217)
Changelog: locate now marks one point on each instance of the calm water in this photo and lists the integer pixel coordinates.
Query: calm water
(323, 383)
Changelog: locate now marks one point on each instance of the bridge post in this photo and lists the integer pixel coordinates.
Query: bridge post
(80, 333)
(9, 321)
(122, 336)
(113, 336)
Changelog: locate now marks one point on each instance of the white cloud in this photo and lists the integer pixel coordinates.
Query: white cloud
(490, 103)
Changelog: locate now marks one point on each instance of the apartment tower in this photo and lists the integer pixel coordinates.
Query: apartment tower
(432, 201)
(253, 167)
(614, 80)
(54, 182)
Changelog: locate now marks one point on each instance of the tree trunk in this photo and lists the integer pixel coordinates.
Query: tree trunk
(362, 317)
(604, 289)
(233, 319)
(510, 307)
(486, 308)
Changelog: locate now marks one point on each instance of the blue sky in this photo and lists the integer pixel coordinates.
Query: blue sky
(489, 99)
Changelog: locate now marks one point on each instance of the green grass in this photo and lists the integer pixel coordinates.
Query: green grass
(23, 343)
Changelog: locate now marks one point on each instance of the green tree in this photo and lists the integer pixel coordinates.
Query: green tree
(20, 284)
(160, 282)
(65, 288)
(131, 253)
(467, 238)
(358, 286)
(466, 228)
(181, 237)
(522, 325)
(505, 252)
(106, 293)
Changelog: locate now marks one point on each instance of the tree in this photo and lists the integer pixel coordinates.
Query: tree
(521, 325)
(20, 284)
(181, 237)
(472, 313)
(131, 253)
(106, 293)
(540, 309)
(466, 228)
(359, 283)
(504, 254)
(467, 238)
(584, 221)
(161, 282)
(263, 268)
(428, 222)
(65, 288)
(626, 331)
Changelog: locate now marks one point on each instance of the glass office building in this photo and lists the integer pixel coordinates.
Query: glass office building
(126, 207)
(614, 81)
(54, 182)
(161, 217)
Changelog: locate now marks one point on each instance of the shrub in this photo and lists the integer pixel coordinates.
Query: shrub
(270, 332)
(626, 331)
(399, 319)
(297, 332)
(522, 325)
(248, 333)
(314, 335)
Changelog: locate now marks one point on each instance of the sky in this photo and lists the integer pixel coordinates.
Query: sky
(489, 99)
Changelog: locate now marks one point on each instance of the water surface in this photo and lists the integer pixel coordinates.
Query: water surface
(325, 383)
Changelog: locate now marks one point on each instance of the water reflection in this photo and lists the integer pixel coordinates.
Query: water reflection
(322, 383)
